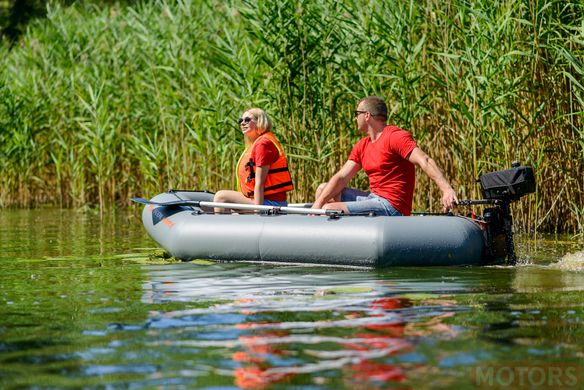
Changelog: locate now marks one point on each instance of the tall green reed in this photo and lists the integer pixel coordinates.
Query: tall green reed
(101, 104)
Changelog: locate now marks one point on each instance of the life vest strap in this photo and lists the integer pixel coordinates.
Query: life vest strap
(270, 188)
(275, 187)
(278, 170)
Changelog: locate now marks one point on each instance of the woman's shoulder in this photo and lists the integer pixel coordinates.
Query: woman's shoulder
(266, 139)
(265, 144)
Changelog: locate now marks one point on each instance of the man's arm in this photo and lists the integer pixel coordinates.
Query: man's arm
(428, 165)
(336, 184)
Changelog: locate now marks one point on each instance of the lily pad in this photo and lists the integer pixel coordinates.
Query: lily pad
(202, 262)
(344, 290)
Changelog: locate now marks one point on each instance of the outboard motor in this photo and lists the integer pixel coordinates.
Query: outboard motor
(504, 187)
(500, 189)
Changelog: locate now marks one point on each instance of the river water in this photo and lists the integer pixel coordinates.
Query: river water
(82, 305)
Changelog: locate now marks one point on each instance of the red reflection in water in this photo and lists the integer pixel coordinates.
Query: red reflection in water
(387, 337)
(257, 374)
(257, 377)
(361, 368)
(368, 371)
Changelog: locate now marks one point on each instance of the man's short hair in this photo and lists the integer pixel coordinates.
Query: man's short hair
(375, 105)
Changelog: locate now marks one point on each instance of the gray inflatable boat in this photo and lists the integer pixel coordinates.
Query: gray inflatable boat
(184, 224)
(190, 232)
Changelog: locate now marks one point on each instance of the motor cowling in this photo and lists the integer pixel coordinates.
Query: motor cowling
(509, 184)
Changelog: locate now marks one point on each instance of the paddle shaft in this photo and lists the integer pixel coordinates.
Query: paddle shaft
(239, 206)
(289, 210)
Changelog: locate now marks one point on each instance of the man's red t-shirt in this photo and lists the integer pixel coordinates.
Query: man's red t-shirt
(264, 152)
(385, 161)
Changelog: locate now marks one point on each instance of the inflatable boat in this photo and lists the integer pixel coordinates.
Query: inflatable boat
(184, 224)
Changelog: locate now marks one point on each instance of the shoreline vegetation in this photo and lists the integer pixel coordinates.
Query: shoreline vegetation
(99, 104)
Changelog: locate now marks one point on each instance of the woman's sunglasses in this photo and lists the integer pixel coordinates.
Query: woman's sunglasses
(245, 120)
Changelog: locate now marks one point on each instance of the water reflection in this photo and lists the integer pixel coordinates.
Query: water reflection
(363, 329)
(547, 279)
(39, 233)
(279, 324)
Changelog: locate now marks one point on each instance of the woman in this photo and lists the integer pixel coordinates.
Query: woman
(262, 170)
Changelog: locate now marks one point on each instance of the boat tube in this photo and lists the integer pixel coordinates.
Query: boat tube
(183, 223)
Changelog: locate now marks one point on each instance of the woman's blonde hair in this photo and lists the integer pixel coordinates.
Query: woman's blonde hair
(262, 120)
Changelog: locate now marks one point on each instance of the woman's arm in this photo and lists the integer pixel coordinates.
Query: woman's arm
(260, 180)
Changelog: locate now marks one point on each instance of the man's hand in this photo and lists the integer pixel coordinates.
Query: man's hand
(449, 199)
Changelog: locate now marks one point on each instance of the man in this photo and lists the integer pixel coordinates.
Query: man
(388, 155)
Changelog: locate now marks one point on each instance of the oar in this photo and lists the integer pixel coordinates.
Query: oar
(238, 206)
(300, 205)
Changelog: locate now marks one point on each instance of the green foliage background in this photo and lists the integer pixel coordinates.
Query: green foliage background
(101, 103)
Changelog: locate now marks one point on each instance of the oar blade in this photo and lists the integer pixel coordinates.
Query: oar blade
(141, 200)
(171, 203)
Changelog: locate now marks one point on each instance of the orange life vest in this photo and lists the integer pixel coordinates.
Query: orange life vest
(278, 178)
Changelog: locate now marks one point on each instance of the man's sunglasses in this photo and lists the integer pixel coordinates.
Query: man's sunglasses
(357, 113)
(245, 120)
